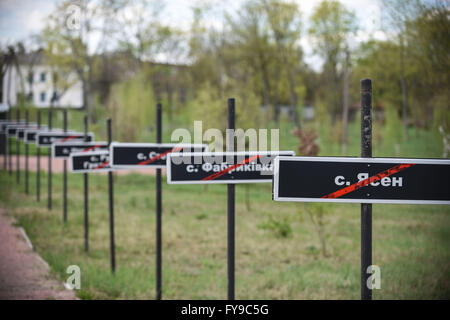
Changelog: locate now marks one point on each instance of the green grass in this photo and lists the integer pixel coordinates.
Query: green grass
(411, 243)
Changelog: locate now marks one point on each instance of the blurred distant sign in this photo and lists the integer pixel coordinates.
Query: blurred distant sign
(20, 132)
(65, 149)
(30, 134)
(133, 155)
(5, 123)
(361, 180)
(94, 161)
(47, 138)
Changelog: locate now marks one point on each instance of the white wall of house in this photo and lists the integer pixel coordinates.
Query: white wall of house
(42, 88)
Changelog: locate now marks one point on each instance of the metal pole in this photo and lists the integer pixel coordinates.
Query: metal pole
(49, 204)
(111, 208)
(26, 157)
(65, 173)
(158, 208)
(86, 199)
(18, 153)
(38, 162)
(230, 206)
(9, 154)
(366, 209)
(5, 164)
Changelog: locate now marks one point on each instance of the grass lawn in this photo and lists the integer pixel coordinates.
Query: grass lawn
(278, 252)
(278, 248)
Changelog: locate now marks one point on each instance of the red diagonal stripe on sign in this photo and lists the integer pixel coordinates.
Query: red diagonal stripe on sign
(159, 156)
(369, 180)
(67, 139)
(91, 148)
(104, 164)
(237, 165)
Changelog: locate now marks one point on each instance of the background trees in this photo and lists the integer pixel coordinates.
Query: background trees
(254, 51)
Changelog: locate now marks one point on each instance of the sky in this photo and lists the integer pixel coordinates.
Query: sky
(19, 19)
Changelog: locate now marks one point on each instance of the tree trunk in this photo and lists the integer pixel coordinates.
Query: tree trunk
(293, 94)
(276, 114)
(404, 107)
(19, 72)
(169, 99)
(265, 78)
(345, 103)
(403, 87)
(85, 100)
(8, 86)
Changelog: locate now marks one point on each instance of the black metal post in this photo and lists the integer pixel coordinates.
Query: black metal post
(18, 152)
(49, 204)
(230, 206)
(65, 173)
(38, 162)
(111, 208)
(10, 153)
(27, 191)
(158, 209)
(86, 195)
(5, 164)
(366, 208)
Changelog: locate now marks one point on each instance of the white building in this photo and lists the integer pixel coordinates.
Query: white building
(35, 81)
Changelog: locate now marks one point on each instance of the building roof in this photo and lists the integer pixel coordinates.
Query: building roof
(36, 57)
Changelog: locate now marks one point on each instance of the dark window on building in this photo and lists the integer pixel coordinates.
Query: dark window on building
(43, 76)
(42, 96)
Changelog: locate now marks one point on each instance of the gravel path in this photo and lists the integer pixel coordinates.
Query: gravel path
(58, 165)
(23, 274)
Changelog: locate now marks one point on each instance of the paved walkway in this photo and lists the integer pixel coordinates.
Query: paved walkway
(23, 274)
(58, 165)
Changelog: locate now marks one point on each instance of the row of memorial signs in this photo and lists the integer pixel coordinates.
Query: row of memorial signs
(31, 133)
(306, 179)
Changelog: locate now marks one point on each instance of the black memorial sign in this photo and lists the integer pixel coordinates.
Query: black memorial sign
(30, 134)
(222, 167)
(20, 132)
(93, 161)
(47, 138)
(132, 155)
(362, 180)
(63, 150)
(11, 130)
(5, 124)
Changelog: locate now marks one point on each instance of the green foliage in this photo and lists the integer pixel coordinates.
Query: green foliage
(131, 105)
(256, 58)
(208, 107)
(211, 110)
(393, 130)
(248, 107)
(316, 213)
(442, 112)
(331, 25)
